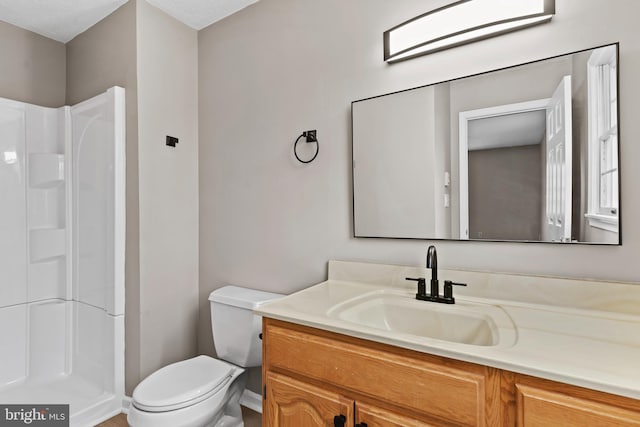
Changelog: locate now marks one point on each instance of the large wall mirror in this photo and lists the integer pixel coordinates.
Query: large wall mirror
(527, 153)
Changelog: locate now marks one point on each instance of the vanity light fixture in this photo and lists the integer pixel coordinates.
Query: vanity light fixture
(462, 22)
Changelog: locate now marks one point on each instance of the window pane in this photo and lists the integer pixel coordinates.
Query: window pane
(559, 169)
(549, 187)
(613, 141)
(612, 81)
(613, 97)
(614, 190)
(605, 192)
(608, 170)
(605, 155)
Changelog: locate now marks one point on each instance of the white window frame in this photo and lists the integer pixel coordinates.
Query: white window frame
(602, 65)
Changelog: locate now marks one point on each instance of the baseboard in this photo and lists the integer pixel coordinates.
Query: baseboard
(251, 400)
(126, 404)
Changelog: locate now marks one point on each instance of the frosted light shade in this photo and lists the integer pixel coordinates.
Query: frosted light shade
(462, 22)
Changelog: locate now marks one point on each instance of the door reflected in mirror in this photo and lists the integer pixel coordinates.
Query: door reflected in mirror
(528, 153)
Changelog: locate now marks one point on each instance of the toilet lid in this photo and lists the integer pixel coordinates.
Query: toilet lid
(182, 384)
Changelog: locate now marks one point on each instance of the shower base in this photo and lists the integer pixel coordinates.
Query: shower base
(89, 405)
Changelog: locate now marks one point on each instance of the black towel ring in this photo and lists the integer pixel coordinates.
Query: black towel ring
(311, 137)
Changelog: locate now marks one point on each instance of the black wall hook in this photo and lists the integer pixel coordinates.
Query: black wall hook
(311, 136)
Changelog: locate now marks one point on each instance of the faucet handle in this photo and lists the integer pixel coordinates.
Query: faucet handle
(448, 290)
(422, 285)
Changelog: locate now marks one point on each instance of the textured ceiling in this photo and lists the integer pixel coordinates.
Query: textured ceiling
(62, 20)
(200, 13)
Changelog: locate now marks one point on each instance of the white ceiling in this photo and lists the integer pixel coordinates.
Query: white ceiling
(509, 130)
(62, 20)
(200, 13)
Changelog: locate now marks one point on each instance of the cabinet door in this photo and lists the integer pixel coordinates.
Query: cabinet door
(539, 407)
(292, 403)
(372, 416)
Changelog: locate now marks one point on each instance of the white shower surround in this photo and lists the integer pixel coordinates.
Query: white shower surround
(62, 187)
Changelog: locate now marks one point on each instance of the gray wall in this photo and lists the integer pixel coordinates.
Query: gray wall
(442, 160)
(32, 67)
(99, 58)
(580, 147)
(282, 66)
(394, 157)
(504, 193)
(168, 179)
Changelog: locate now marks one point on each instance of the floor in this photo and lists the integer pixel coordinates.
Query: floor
(251, 419)
(117, 421)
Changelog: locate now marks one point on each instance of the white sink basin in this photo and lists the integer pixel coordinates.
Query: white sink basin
(464, 322)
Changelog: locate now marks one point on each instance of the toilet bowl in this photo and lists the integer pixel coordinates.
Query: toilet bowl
(192, 393)
(203, 391)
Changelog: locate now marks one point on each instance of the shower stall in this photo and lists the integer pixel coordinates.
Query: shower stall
(62, 193)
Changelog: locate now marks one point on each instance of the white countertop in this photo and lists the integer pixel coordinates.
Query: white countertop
(596, 347)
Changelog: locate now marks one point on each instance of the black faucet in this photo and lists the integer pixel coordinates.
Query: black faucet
(434, 296)
(432, 263)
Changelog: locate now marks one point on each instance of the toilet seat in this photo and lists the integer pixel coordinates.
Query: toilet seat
(182, 384)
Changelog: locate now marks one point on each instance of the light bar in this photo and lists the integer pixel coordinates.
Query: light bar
(462, 22)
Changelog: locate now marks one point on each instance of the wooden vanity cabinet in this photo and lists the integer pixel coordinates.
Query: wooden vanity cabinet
(311, 376)
(317, 378)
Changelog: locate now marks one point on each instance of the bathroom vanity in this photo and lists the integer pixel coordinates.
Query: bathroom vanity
(530, 357)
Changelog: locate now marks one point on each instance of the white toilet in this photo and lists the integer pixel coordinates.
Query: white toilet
(203, 391)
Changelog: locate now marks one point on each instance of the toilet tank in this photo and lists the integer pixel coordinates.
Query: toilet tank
(236, 330)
